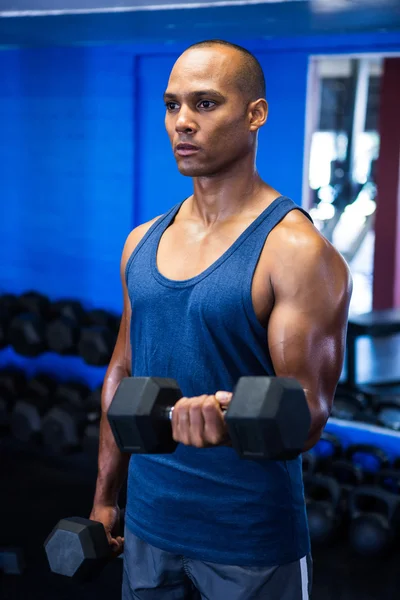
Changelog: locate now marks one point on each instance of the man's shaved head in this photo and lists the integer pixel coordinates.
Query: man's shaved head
(249, 76)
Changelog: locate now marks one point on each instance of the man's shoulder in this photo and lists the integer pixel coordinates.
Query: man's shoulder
(295, 242)
(135, 237)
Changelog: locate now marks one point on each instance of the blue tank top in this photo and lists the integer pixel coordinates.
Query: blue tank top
(207, 503)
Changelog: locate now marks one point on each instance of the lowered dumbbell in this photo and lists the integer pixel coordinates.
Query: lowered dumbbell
(78, 548)
(98, 338)
(267, 418)
(64, 424)
(30, 410)
(12, 384)
(374, 515)
(26, 333)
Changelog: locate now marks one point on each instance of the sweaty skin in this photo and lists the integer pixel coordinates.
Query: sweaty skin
(301, 287)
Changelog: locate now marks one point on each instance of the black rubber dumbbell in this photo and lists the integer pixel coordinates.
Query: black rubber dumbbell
(323, 495)
(27, 331)
(12, 386)
(267, 418)
(29, 411)
(78, 548)
(9, 308)
(64, 424)
(98, 338)
(374, 515)
(64, 328)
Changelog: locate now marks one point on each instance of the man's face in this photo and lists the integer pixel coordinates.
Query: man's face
(206, 117)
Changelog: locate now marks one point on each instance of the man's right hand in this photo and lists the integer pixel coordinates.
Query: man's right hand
(109, 516)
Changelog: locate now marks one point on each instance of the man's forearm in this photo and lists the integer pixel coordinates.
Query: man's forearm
(112, 464)
(112, 467)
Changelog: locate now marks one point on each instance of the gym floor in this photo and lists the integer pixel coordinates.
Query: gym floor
(36, 493)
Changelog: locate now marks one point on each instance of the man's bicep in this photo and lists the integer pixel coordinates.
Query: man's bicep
(307, 327)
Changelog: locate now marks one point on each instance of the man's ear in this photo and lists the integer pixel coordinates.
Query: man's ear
(258, 114)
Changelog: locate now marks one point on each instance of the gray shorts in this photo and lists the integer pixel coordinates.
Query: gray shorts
(153, 574)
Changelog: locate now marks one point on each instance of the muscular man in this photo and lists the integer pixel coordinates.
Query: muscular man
(233, 281)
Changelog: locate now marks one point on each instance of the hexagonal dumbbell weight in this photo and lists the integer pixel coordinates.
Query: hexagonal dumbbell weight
(267, 418)
(26, 333)
(30, 409)
(64, 424)
(97, 339)
(63, 330)
(78, 548)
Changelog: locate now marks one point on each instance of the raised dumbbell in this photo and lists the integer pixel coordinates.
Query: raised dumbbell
(323, 495)
(98, 338)
(12, 385)
(26, 333)
(63, 329)
(374, 515)
(78, 548)
(64, 424)
(29, 411)
(267, 418)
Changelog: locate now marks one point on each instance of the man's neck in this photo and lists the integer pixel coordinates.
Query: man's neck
(224, 195)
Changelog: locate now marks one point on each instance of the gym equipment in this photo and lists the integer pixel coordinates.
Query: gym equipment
(374, 514)
(389, 479)
(97, 340)
(64, 424)
(29, 410)
(26, 333)
(12, 384)
(78, 548)
(9, 308)
(371, 459)
(323, 495)
(327, 449)
(12, 561)
(267, 418)
(388, 409)
(90, 443)
(348, 404)
(309, 463)
(63, 330)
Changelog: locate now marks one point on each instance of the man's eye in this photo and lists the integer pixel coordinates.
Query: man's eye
(171, 105)
(207, 104)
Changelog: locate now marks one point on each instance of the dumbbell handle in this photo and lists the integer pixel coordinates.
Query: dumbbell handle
(168, 410)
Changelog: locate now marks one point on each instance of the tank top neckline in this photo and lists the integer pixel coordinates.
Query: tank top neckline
(175, 283)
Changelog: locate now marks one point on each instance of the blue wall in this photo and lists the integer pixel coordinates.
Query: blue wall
(84, 156)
